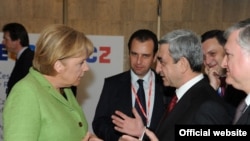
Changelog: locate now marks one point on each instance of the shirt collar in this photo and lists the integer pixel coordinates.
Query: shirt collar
(184, 88)
(20, 52)
(247, 99)
(146, 78)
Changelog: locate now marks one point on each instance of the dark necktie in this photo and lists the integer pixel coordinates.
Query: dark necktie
(172, 103)
(239, 111)
(170, 106)
(141, 98)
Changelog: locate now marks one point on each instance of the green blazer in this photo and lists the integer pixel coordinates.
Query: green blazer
(35, 111)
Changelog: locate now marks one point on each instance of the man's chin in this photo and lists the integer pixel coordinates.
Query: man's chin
(165, 83)
(230, 81)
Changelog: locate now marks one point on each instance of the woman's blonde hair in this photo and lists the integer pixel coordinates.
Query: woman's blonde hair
(58, 42)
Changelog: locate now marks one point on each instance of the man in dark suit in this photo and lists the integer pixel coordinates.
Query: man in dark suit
(119, 93)
(16, 42)
(213, 50)
(236, 62)
(179, 62)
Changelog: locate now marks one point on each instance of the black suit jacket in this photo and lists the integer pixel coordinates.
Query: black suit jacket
(20, 69)
(199, 105)
(116, 95)
(232, 97)
(245, 118)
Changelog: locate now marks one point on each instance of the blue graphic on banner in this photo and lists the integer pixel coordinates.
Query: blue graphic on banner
(100, 55)
(3, 53)
(32, 47)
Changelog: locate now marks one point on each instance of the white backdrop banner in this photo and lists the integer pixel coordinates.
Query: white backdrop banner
(106, 60)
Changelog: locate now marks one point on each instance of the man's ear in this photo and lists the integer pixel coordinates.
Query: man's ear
(183, 64)
(18, 42)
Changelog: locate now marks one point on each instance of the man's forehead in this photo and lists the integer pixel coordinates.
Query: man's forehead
(232, 39)
(163, 53)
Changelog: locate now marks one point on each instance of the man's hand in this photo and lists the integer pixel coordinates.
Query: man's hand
(91, 137)
(149, 133)
(214, 77)
(128, 125)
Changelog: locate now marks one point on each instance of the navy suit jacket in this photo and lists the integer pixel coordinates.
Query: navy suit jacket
(199, 105)
(116, 95)
(21, 68)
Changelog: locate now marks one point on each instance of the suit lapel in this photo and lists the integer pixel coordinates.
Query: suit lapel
(245, 118)
(158, 110)
(125, 95)
(184, 103)
(58, 96)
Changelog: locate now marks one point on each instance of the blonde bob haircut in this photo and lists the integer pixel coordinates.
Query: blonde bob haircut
(58, 42)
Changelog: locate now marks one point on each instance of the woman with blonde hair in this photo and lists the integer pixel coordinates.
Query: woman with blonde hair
(41, 106)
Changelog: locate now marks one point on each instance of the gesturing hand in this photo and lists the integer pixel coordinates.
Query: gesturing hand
(128, 125)
(91, 137)
(149, 133)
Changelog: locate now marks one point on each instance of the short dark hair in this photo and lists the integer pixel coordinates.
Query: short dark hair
(215, 33)
(144, 35)
(17, 31)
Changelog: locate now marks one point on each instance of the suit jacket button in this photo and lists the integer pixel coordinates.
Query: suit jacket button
(80, 124)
